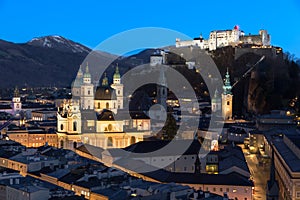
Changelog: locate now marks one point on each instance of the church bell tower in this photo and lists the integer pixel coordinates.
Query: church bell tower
(227, 98)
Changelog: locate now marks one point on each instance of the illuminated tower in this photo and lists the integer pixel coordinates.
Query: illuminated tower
(16, 102)
(77, 84)
(227, 98)
(162, 90)
(87, 91)
(118, 86)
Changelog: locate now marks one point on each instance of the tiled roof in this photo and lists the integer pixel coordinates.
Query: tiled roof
(190, 178)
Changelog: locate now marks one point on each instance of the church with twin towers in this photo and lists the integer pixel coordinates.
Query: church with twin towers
(89, 117)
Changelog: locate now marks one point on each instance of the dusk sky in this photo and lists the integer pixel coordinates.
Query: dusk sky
(91, 22)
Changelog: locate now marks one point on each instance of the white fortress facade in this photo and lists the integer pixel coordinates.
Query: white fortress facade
(223, 38)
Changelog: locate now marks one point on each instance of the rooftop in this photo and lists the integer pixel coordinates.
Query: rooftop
(190, 178)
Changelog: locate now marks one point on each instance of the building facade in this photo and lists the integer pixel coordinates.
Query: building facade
(89, 117)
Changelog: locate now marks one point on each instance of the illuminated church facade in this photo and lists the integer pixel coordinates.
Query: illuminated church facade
(90, 116)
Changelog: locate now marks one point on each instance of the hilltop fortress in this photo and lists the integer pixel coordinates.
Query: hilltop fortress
(259, 44)
(223, 38)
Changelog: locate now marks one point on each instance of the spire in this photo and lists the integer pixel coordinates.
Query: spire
(87, 73)
(79, 73)
(117, 73)
(216, 98)
(16, 92)
(87, 68)
(201, 37)
(227, 87)
(105, 80)
(216, 95)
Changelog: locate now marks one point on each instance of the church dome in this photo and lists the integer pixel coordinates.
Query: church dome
(106, 115)
(105, 93)
(117, 74)
(87, 73)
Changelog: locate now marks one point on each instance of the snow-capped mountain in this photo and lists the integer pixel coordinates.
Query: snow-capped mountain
(60, 43)
(44, 61)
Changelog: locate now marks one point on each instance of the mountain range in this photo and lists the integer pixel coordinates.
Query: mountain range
(43, 61)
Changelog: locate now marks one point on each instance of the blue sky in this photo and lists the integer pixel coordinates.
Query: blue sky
(91, 22)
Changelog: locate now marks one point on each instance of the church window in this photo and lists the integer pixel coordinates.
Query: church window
(110, 127)
(132, 140)
(61, 127)
(98, 105)
(74, 126)
(228, 103)
(109, 142)
(89, 92)
(107, 105)
(119, 92)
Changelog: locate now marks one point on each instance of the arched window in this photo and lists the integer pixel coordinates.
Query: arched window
(74, 126)
(228, 103)
(89, 92)
(74, 145)
(114, 105)
(61, 144)
(61, 127)
(119, 92)
(98, 105)
(110, 127)
(132, 140)
(107, 105)
(109, 142)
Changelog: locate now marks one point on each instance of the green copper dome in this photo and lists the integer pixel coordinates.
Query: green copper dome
(105, 80)
(87, 73)
(117, 73)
